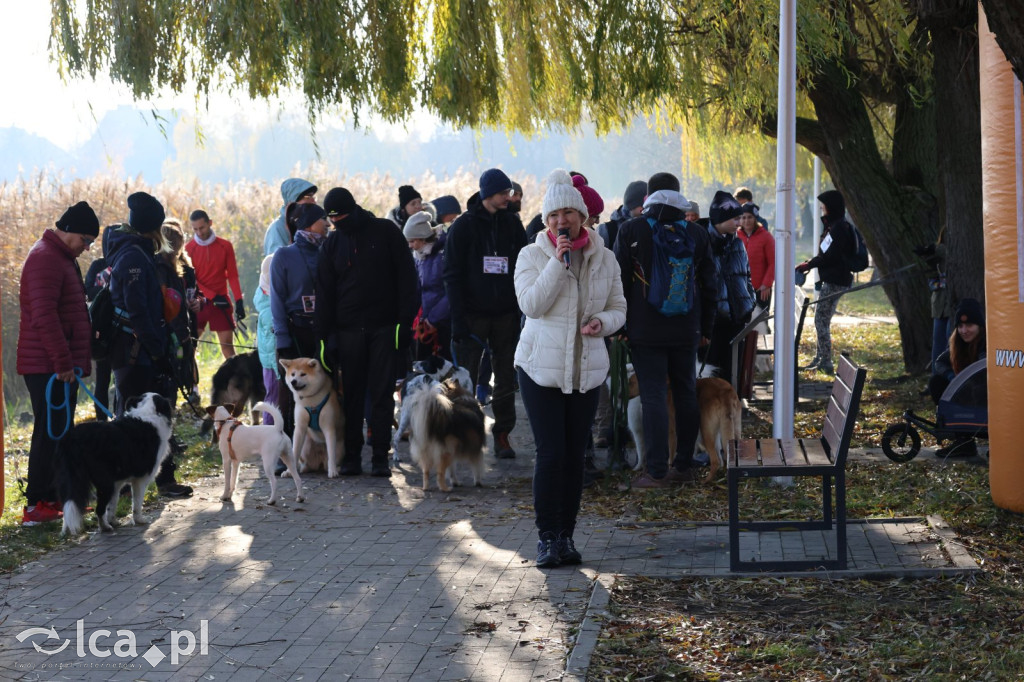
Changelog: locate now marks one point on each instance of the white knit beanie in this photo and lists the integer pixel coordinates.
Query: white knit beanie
(561, 194)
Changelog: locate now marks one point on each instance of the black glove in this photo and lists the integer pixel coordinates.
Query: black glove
(239, 310)
(287, 353)
(222, 302)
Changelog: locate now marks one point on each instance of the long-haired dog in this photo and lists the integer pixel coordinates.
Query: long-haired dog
(424, 374)
(447, 425)
(319, 418)
(239, 442)
(720, 419)
(239, 382)
(107, 455)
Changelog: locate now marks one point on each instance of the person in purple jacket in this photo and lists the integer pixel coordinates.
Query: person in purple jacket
(435, 327)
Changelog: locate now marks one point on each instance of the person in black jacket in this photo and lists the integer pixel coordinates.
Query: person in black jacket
(665, 346)
(836, 240)
(479, 262)
(366, 299)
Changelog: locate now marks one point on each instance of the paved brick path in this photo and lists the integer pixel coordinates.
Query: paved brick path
(370, 580)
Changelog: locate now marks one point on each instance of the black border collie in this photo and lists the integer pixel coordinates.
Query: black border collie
(107, 455)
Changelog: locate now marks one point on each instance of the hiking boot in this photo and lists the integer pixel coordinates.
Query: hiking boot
(687, 475)
(647, 482)
(826, 367)
(813, 364)
(547, 551)
(41, 512)
(173, 489)
(590, 469)
(379, 467)
(568, 555)
(351, 468)
(502, 448)
(964, 447)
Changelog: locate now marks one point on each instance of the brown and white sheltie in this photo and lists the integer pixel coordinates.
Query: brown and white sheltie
(447, 426)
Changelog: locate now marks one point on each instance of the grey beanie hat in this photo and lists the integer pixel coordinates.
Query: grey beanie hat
(634, 195)
(418, 226)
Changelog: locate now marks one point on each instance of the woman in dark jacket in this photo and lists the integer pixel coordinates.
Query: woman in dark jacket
(140, 354)
(835, 277)
(176, 274)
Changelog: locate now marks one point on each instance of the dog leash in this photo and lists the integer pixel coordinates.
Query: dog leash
(52, 408)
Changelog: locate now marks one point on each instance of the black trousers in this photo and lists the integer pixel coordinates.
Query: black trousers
(134, 380)
(501, 334)
(561, 430)
(40, 486)
(367, 361)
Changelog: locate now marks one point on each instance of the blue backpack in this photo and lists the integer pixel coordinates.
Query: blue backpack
(672, 276)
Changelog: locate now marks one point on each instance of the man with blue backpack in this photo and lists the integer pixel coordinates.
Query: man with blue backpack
(668, 279)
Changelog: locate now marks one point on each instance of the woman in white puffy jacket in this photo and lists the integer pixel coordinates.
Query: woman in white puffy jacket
(569, 287)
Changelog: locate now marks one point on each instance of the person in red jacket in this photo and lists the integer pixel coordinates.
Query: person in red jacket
(760, 254)
(53, 340)
(214, 261)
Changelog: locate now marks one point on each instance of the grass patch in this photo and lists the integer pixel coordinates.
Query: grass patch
(812, 629)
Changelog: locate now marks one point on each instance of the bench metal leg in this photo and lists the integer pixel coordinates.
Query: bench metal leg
(826, 499)
(734, 520)
(841, 519)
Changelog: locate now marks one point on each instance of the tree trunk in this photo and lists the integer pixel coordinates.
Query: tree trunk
(892, 218)
(953, 26)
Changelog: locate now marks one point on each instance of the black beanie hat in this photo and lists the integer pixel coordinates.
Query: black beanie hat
(407, 193)
(832, 200)
(339, 201)
(970, 311)
(304, 215)
(660, 181)
(80, 219)
(146, 214)
(723, 207)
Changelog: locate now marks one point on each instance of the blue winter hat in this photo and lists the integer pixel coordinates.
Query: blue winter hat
(446, 205)
(494, 181)
(145, 212)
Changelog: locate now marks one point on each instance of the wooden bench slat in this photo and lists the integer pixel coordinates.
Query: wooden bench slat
(842, 394)
(815, 453)
(747, 453)
(770, 454)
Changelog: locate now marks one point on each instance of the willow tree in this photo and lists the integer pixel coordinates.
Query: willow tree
(866, 70)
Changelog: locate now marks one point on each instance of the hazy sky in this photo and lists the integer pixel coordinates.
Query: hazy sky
(38, 101)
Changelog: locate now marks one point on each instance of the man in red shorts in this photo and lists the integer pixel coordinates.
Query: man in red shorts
(214, 261)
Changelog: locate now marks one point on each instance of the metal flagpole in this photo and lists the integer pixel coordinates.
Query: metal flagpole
(785, 222)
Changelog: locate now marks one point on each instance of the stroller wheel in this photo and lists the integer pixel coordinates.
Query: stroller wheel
(901, 442)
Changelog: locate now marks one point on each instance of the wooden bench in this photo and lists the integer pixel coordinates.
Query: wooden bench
(824, 458)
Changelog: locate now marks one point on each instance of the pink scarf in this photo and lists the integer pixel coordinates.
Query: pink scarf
(577, 243)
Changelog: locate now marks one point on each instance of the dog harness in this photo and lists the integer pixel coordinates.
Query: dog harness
(231, 432)
(314, 414)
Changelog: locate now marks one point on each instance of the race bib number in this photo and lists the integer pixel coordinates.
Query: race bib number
(309, 304)
(826, 242)
(495, 265)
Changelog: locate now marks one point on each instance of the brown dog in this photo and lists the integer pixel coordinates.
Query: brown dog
(720, 419)
(318, 415)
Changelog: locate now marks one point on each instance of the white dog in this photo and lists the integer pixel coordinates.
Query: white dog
(239, 442)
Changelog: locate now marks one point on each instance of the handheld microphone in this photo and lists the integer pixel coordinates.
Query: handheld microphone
(566, 258)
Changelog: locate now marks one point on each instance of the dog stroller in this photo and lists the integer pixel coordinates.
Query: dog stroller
(962, 412)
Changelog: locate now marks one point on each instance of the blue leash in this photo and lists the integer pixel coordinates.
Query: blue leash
(52, 408)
